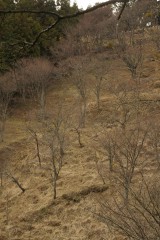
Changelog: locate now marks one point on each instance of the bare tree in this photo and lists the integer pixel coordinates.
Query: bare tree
(129, 47)
(57, 18)
(97, 90)
(140, 218)
(34, 135)
(81, 87)
(126, 104)
(131, 54)
(6, 173)
(128, 149)
(15, 180)
(79, 78)
(2, 169)
(108, 142)
(99, 167)
(52, 138)
(55, 137)
(61, 125)
(98, 67)
(155, 35)
(154, 136)
(1, 176)
(33, 77)
(5, 98)
(78, 131)
(56, 162)
(89, 35)
(124, 107)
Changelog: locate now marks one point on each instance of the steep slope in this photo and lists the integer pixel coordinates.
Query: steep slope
(34, 214)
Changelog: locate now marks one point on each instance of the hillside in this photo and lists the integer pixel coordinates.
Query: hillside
(85, 180)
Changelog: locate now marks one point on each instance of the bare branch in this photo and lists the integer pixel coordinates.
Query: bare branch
(59, 17)
(78, 13)
(123, 7)
(15, 180)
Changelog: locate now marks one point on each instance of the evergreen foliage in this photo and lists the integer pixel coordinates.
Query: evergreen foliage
(17, 29)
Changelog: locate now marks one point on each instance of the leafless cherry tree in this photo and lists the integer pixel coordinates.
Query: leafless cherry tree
(5, 98)
(98, 68)
(32, 79)
(35, 137)
(78, 131)
(97, 90)
(128, 149)
(2, 169)
(14, 180)
(99, 167)
(131, 55)
(130, 50)
(155, 35)
(56, 163)
(5, 173)
(52, 138)
(126, 104)
(139, 219)
(154, 137)
(56, 139)
(108, 142)
(79, 78)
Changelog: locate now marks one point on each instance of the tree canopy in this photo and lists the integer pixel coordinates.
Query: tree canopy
(32, 27)
(16, 30)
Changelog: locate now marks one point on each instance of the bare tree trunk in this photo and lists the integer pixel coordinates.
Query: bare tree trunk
(99, 170)
(158, 158)
(34, 135)
(83, 114)
(54, 186)
(2, 126)
(127, 187)
(98, 101)
(1, 131)
(38, 150)
(18, 184)
(42, 102)
(139, 219)
(110, 162)
(7, 210)
(97, 90)
(54, 172)
(1, 179)
(79, 137)
(61, 151)
(15, 180)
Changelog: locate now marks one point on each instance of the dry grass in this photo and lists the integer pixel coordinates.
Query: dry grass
(34, 215)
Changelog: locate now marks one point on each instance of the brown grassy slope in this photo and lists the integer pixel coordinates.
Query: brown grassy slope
(34, 214)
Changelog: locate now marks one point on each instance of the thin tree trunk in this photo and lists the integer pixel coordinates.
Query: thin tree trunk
(83, 115)
(79, 137)
(38, 150)
(1, 179)
(54, 186)
(15, 180)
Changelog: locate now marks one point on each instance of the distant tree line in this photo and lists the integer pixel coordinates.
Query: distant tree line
(18, 29)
